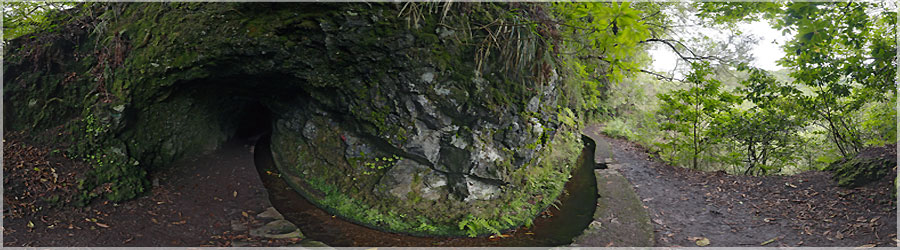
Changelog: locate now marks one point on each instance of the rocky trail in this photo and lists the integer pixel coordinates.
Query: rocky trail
(694, 208)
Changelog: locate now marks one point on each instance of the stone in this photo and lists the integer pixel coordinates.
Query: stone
(270, 213)
(479, 190)
(237, 225)
(443, 33)
(355, 146)
(240, 243)
(453, 159)
(483, 162)
(424, 143)
(278, 229)
(312, 243)
(533, 104)
(435, 186)
(537, 128)
(398, 181)
(441, 90)
(309, 130)
(428, 77)
(513, 135)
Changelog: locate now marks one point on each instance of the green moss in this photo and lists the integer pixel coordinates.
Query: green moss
(858, 171)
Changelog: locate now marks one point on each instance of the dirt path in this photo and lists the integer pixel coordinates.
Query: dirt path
(193, 203)
(199, 201)
(807, 209)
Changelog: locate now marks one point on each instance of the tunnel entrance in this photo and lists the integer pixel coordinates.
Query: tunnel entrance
(252, 120)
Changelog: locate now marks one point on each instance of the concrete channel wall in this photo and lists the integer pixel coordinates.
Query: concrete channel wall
(620, 219)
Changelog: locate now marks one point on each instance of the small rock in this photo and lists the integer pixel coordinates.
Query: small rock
(279, 229)
(533, 104)
(239, 243)
(270, 213)
(236, 225)
(294, 234)
(313, 243)
(444, 33)
(428, 77)
(479, 190)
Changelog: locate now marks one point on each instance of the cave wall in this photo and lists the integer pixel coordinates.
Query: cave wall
(387, 114)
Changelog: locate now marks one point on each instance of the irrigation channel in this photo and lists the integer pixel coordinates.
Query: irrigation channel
(555, 226)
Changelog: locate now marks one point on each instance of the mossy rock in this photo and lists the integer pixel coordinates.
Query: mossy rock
(869, 165)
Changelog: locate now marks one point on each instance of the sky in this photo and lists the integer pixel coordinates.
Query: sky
(765, 52)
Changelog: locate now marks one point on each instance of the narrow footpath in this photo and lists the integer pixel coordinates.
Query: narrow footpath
(694, 208)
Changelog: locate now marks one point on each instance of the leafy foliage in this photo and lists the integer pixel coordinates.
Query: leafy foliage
(691, 112)
(844, 52)
(765, 131)
(611, 31)
(473, 225)
(25, 17)
(836, 97)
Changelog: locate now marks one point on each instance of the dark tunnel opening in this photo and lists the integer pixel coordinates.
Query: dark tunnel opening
(252, 120)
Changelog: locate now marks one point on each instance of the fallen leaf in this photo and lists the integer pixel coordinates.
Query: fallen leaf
(30, 224)
(235, 194)
(769, 241)
(703, 241)
(245, 214)
(101, 225)
(790, 185)
(866, 246)
(179, 222)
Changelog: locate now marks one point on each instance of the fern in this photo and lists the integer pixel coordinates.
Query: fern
(508, 220)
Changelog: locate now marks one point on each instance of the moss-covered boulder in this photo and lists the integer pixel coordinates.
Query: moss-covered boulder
(424, 118)
(869, 165)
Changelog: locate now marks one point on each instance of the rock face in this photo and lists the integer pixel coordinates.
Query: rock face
(394, 118)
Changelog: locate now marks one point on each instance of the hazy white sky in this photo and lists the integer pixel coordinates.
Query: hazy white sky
(765, 53)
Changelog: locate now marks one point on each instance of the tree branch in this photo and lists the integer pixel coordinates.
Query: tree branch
(660, 76)
(693, 56)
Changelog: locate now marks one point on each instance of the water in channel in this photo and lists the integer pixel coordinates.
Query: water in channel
(554, 227)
